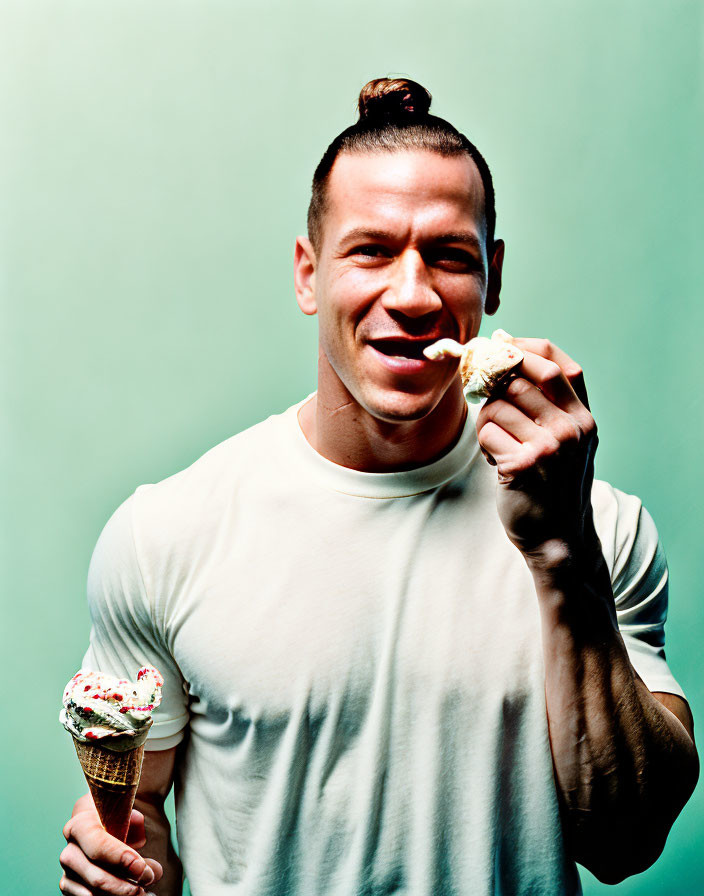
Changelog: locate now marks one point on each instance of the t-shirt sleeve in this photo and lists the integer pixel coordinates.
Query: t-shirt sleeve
(124, 636)
(639, 578)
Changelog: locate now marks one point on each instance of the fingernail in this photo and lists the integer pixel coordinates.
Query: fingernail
(134, 864)
(147, 877)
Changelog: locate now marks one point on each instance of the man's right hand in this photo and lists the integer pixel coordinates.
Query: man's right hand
(94, 862)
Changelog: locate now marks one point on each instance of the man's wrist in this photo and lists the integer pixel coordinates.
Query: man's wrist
(561, 556)
(572, 580)
(574, 548)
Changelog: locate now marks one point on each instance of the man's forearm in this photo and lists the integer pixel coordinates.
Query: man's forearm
(624, 765)
(160, 847)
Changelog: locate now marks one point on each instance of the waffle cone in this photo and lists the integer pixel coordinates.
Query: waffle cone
(113, 779)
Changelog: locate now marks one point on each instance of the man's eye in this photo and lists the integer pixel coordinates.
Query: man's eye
(454, 259)
(371, 251)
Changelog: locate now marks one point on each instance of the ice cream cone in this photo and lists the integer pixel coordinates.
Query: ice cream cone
(113, 779)
(109, 719)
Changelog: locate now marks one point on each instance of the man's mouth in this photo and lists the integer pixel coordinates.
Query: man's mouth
(402, 348)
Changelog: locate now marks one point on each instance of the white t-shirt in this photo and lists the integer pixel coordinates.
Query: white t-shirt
(355, 659)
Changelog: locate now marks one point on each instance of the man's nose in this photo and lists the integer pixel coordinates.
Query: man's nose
(410, 291)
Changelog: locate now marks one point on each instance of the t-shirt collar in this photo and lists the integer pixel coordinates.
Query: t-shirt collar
(384, 485)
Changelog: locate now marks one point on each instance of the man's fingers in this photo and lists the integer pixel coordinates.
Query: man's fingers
(511, 419)
(95, 857)
(525, 396)
(551, 352)
(72, 887)
(496, 442)
(549, 377)
(136, 842)
(136, 835)
(156, 869)
(488, 457)
(79, 870)
(86, 831)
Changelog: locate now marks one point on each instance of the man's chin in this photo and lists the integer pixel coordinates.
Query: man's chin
(400, 407)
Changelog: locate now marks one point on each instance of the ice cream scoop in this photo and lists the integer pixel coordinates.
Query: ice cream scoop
(114, 710)
(484, 363)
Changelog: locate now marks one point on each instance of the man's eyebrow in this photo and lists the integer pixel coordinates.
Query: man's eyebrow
(364, 233)
(460, 236)
(455, 236)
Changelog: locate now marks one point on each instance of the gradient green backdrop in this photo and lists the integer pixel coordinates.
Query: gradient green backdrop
(155, 161)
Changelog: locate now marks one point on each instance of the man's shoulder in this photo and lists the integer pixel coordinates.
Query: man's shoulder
(613, 507)
(246, 453)
(625, 528)
(189, 500)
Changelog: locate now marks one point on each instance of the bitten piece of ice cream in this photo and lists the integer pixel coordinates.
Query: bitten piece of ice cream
(115, 711)
(444, 348)
(484, 363)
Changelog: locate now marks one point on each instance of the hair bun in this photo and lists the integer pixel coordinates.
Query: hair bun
(393, 99)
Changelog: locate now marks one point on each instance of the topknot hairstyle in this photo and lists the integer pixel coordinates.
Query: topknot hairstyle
(394, 116)
(386, 99)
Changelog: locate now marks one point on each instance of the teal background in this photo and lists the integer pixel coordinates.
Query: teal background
(155, 163)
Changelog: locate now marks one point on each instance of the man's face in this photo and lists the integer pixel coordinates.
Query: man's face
(402, 263)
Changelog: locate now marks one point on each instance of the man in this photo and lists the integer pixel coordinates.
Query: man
(381, 692)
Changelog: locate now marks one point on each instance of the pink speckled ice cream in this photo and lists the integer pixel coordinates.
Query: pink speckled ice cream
(117, 711)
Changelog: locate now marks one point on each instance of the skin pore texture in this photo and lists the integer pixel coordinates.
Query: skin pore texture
(403, 262)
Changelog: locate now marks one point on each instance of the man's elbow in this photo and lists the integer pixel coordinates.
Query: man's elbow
(635, 841)
(616, 868)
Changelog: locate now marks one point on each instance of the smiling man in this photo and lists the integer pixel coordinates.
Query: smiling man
(402, 261)
(391, 666)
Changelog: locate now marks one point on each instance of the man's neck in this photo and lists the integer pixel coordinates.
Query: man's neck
(348, 435)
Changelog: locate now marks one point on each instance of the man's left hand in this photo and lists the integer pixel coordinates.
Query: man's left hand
(539, 433)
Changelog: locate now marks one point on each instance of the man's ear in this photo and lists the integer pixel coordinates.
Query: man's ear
(304, 275)
(493, 288)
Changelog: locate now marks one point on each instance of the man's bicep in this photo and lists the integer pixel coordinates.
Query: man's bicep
(679, 708)
(157, 774)
(639, 578)
(125, 635)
